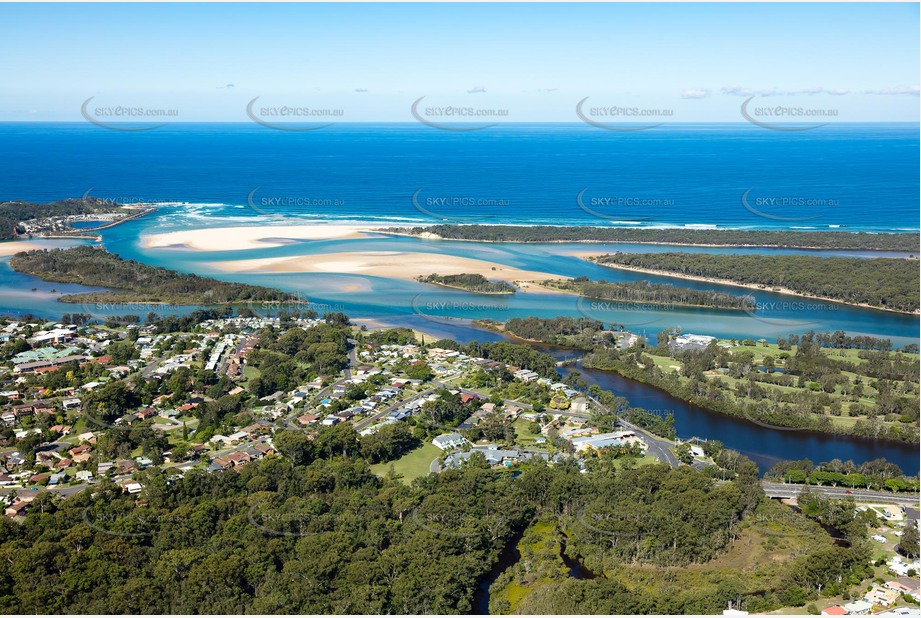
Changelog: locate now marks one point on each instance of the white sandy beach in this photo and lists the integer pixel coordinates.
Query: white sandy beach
(390, 264)
(243, 238)
(15, 246)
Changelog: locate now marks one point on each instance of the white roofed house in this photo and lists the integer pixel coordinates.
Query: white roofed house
(604, 440)
(691, 342)
(449, 441)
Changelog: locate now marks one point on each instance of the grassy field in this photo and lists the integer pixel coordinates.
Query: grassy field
(524, 436)
(412, 465)
(646, 460)
(670, 365)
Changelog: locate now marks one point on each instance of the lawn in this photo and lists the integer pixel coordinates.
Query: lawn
(412, 465)
(645, 460)
(523, 434)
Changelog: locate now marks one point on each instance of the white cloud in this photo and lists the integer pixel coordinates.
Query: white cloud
(739, 91)
(894, 90)
(695, 93)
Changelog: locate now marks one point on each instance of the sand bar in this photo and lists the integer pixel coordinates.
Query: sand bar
(14, 247)
(389, 264)
(250, 237)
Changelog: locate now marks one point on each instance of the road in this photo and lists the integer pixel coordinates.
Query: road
(656, 446)
(402, 403)
(785, 490)
(288, 421)
(63, 491)
(149, 369)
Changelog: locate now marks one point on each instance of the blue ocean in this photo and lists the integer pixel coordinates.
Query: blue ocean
(859, 177)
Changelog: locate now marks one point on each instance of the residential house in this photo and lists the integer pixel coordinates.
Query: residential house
(132, 488)
(307, 419)
(264, 448)
(904, 585)
(17, 509)
(449, 441)
(238, 458)
(881, 596)
(79, 450)
(858, 608)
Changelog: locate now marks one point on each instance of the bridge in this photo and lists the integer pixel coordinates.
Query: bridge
(789, 490)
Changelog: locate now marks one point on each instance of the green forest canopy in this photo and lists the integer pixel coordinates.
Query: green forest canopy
(881, 282)
(644, 292)
(134, 281)
(327, 536)
(739, 238)
(12, 213)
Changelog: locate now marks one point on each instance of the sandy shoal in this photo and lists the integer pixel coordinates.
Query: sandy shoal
(14, 247)
(390, 264)
(248, 237)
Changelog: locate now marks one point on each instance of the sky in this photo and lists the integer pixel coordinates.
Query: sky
(853, 62)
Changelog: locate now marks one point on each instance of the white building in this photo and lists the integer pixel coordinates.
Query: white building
(449, 441)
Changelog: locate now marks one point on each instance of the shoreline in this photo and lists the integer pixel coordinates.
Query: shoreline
(645, 302)
(433, 236)
(455, 287)
(751, 286)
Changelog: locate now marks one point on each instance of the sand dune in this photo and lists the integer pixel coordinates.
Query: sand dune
(243, 238)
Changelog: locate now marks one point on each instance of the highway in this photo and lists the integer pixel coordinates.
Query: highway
(786, 490)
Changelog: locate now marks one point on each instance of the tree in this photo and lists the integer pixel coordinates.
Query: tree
(683, 451)
(909, 543)
(296, 445)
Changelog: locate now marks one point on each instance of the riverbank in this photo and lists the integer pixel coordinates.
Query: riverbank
(680, 236)
(463, 289)
(434, 236)
(784, 422)
(750, 286)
